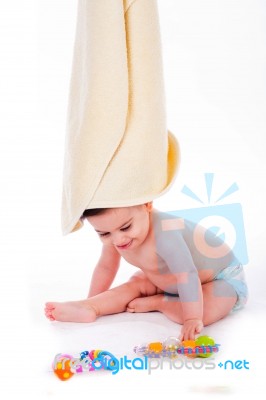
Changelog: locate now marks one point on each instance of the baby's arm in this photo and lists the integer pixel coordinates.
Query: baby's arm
(191, 299)
(192, 310)
(105, 271)
(172, 248)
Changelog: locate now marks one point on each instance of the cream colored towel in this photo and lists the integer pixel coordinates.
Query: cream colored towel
(118, 151)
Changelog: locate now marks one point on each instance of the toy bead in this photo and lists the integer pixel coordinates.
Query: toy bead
(91, 354)
(205, 341)
(170, 346)
(84, 354)
(189, 345)
(156, 347)
(108, 357)
(79, 369)
(141, 350)
(62, 367)
(94, 354)
(171, 343)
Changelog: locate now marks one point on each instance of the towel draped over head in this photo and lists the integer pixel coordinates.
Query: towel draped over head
(118, 150)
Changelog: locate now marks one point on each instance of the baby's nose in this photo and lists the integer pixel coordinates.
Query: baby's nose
(119, 239)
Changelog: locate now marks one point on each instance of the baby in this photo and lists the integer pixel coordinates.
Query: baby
(185, 271)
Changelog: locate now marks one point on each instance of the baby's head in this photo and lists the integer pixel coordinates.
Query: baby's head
(123, 227)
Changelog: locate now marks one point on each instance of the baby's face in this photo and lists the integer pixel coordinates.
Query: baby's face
(125, 228)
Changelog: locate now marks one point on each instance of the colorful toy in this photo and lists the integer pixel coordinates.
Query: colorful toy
(65, 366)
(189, 344)
(203, 346)
(61, 366)
(207, 342)
(171, 344)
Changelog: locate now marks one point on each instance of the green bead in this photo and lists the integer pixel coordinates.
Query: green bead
(205, 341)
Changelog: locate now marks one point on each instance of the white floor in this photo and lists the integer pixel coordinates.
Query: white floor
(214, 56)
(38, 341)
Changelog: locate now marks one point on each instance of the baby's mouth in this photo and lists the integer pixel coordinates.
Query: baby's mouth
(125, 246)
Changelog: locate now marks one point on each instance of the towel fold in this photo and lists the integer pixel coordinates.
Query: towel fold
(118, 151)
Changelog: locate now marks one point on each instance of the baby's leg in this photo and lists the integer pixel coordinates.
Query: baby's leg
(112, 301)
(219, 297)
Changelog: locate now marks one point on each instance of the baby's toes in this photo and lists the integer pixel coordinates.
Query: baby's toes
(134, 306)
(50, 306)
(50, 317)
(48, 314)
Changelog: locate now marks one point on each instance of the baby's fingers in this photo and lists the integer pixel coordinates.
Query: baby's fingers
(190, 329)
(187, 334)
(199, 328)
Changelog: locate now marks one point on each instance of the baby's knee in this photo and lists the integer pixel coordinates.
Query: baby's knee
(145, 286)
(137, 277)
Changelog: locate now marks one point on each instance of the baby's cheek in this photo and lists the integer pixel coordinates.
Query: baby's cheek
(134, 233)
(141, 234)
(105, 239)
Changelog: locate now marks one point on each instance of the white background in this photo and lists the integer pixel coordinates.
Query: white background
(214, 61)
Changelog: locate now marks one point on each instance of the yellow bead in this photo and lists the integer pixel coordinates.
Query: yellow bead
(59, 365)
(96, 352)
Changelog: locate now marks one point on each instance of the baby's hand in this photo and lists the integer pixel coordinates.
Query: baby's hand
(190, 328)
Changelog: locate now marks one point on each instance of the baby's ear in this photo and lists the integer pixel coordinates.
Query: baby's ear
(149, 206)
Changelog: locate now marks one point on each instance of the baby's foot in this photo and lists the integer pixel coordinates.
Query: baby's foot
(71, 311)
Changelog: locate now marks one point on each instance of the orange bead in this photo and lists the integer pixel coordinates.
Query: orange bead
(189, 344)
(155, 347)
(62, 370)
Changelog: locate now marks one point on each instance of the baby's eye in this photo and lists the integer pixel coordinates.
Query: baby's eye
(126, 228)
(103, 234)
